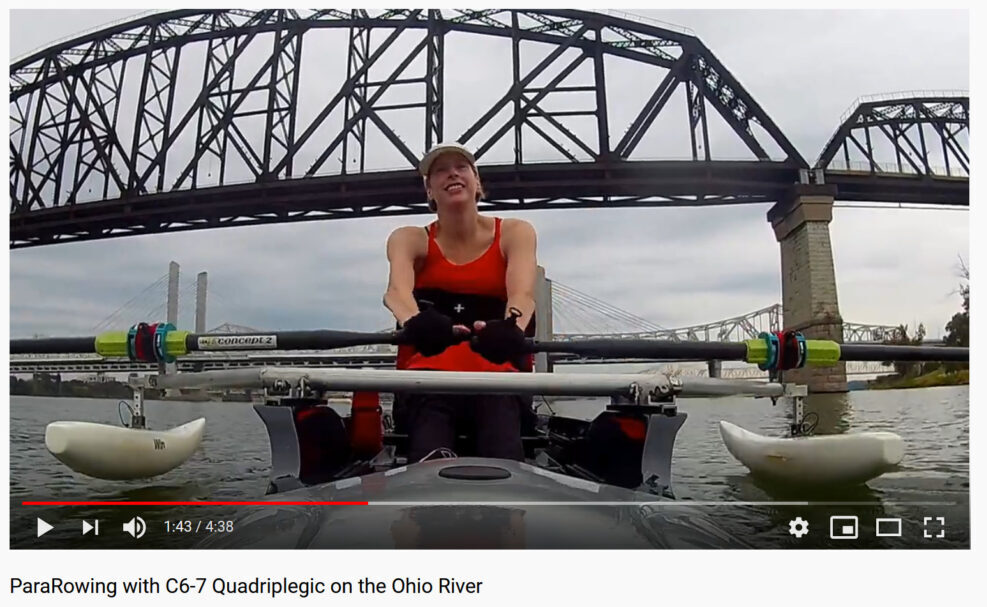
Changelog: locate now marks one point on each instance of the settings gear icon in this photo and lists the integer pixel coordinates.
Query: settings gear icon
(798, 527)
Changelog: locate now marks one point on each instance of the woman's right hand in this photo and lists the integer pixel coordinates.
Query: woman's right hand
(431, 332)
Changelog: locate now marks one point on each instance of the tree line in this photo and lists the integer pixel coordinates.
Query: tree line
(957, 334)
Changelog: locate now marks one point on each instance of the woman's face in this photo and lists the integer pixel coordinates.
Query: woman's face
(452, 182)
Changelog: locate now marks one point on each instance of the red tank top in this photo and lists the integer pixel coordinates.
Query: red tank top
(485, 276)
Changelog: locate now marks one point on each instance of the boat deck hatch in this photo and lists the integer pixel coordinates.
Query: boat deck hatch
(474, 473)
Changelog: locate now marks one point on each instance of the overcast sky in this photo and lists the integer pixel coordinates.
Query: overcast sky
(674, 266)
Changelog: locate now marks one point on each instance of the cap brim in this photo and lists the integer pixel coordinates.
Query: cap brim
(429, 158)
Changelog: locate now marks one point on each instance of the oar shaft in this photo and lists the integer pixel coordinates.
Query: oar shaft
(54, 345)
(880, 352)
(640, 348)
(287, 340)
(606, 348)
(275, 340)
(700, 350)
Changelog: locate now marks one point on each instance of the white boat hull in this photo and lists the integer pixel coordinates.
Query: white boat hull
(117, 453)
(815, 460)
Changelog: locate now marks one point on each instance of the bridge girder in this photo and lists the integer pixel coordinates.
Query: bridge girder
(99, 151)
(920, 131)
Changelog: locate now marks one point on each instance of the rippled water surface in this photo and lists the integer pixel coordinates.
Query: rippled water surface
(234, 460)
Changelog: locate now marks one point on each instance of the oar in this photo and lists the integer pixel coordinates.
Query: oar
(713, 350)
(178, 343)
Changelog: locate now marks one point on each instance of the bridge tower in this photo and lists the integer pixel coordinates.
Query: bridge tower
(543, 319)
(200, 302)
(173, 270)
(808, 279)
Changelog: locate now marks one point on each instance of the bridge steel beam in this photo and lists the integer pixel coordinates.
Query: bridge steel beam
(199, 119)
(926, 135)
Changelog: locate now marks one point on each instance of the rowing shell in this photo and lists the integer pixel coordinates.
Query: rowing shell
(839, 459)
(116, 453)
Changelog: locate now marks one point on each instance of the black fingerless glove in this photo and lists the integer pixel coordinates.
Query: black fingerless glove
(430, 332)
(500, 340)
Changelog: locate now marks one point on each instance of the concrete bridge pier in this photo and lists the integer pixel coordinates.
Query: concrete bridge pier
(808, 279)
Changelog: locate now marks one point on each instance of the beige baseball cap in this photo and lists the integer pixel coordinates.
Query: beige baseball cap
(440, 149)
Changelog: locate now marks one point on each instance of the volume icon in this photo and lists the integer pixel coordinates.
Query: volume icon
(135, 527)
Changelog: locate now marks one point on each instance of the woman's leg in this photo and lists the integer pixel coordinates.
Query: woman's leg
(431, 420)
(498, 426)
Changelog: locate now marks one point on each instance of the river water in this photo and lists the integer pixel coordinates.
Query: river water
(233, 462)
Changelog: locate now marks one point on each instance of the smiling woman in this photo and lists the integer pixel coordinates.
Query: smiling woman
(452, 169)
(463, 291)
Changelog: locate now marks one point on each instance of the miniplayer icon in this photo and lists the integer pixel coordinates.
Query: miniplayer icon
(843, 527)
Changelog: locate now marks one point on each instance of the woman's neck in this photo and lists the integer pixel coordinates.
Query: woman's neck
(460, 227)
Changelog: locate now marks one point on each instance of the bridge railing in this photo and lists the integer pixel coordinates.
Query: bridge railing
(646, 21)
(895, 96)
(890, 168)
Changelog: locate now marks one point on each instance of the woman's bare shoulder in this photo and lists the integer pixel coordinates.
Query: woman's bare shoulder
(514, 225)
(410, 239)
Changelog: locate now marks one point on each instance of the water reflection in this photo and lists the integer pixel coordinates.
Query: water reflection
(831, 413)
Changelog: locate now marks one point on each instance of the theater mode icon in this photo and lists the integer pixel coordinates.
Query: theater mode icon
(843, 527)
(887, 527)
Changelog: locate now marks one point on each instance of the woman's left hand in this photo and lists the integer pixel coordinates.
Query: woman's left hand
(497, 340)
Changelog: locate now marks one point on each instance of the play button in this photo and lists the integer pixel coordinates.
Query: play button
(43, 527)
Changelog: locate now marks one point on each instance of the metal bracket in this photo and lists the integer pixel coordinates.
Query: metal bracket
(798, 411)
(137, 420)
(655, 392)
(796, 393)
(793, 390)
(284, 388)
(654, 388)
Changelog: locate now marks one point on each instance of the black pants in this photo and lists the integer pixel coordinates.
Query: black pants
(433, 421)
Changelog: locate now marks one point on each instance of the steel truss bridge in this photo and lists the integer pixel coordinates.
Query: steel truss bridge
(747, 326)
(196, 119)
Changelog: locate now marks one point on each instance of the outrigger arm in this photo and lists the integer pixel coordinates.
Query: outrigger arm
(636, 386)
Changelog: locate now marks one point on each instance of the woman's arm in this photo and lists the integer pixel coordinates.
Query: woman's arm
(520, 244)
(402, 249)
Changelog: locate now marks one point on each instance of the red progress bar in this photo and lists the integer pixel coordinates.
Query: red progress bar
(197, 503)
